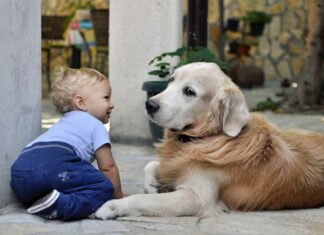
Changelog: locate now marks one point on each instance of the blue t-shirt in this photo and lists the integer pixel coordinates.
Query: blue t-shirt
(79, 129)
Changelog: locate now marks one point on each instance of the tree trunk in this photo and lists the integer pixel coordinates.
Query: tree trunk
(311, 78)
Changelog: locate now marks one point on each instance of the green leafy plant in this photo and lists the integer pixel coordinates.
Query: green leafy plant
(268, 104)
(257, 16)
(164, 69)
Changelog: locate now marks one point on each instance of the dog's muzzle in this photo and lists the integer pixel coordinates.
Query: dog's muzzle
(151, 107)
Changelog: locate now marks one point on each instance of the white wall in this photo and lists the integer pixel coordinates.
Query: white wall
(20, 83)
(139, 30)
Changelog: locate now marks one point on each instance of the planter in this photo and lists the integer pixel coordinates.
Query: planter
(256, 28)
(244, 49)
(153, 88)
(232, 24)
(257, 20)
(246, 76)
(233, 47)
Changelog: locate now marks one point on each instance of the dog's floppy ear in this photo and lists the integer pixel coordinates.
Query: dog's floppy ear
(235, 112)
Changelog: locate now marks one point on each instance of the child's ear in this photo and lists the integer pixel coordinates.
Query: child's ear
(79, 102)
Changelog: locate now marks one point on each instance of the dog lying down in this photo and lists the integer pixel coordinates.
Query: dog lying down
(217, 156)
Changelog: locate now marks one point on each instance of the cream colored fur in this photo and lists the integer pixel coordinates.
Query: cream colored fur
(218, 156)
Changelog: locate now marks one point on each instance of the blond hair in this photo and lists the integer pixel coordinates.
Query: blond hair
(70, 81)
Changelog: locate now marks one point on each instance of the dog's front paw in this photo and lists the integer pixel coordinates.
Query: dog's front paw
(221, 208)
(218, 209)
(151, 182)
(107, 211)
(151, 185)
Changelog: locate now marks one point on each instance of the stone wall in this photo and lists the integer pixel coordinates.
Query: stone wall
(279, 50)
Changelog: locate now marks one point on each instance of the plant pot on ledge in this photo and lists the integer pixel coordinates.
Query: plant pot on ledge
(233, 24)
(256, 28)
(153, 88)
(244, 49)
(257, 20)
(233, 47)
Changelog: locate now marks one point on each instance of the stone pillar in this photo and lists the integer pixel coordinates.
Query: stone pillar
(139, 30)
(20, 88)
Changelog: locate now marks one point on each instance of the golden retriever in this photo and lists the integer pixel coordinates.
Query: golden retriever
(216, 155)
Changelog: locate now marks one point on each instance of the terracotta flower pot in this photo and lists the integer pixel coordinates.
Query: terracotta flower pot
(244, 49)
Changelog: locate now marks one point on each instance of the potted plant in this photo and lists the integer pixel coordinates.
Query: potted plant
(233, 47)
(233, 24)
(257, 21)
(240, 49)
(163, 69)
(243, 49)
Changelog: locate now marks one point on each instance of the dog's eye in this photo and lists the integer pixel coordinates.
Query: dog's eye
(171, 79)
(188, 91)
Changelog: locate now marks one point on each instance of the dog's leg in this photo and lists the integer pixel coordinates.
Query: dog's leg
(151, 182)
(178, 203)
(206, 184)
(196, 194)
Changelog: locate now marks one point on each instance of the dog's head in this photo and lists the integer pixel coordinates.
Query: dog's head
(200, 100)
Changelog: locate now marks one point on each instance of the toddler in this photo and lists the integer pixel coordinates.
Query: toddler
(53, 174)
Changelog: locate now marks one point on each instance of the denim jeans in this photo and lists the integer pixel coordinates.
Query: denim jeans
(45, 166)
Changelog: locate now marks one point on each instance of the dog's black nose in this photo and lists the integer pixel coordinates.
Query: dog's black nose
(151, 106)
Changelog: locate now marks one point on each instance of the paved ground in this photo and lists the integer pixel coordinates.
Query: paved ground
(131, 160)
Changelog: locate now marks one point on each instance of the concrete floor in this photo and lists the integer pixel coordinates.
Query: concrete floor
(131, 160)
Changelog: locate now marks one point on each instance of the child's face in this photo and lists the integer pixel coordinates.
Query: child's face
(98, 101)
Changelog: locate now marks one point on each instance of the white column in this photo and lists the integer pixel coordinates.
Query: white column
(20, 83)
(139, 30)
